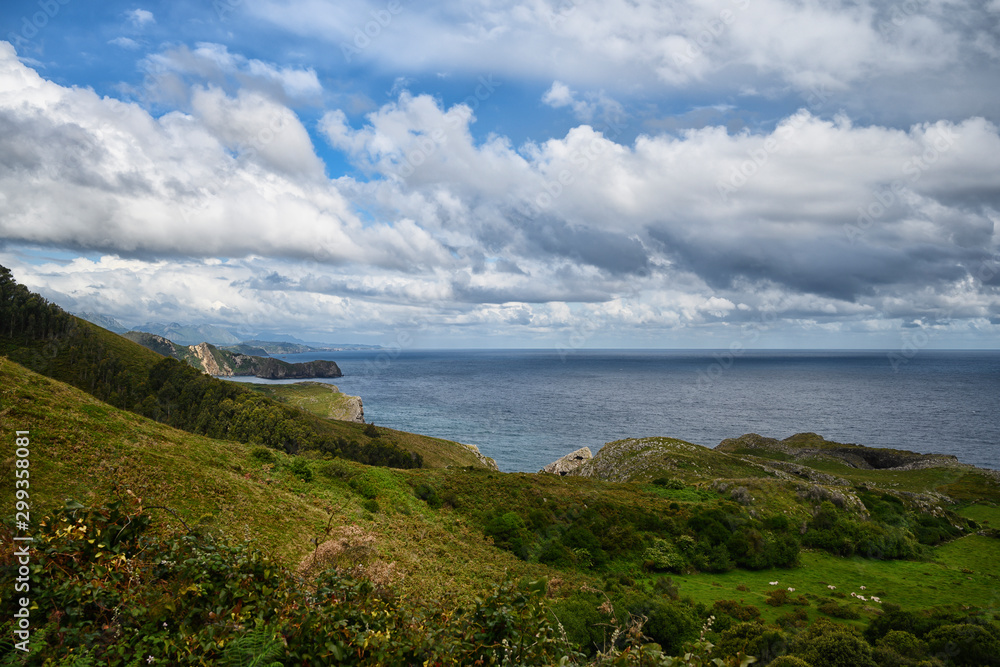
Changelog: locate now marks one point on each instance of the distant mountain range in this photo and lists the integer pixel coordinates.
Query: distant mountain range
(194, 334)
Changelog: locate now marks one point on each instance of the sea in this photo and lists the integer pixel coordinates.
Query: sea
(527, 408)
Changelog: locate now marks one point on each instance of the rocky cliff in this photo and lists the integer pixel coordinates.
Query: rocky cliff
(225, 363)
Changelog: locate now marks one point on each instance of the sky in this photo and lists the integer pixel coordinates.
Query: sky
(727, 174)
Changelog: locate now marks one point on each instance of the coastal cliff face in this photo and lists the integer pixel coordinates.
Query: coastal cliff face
(225, 363)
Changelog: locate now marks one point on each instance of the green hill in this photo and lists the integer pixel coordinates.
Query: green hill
(46, 339)
(437, 545)
(247, 536)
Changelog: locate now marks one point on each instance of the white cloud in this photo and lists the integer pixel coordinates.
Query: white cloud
(852, 53)
(140, 18)
(214, 64)
(660, 234)
(125, 43)
(595, 105)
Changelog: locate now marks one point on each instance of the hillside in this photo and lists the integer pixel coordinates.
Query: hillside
(430, 543)
(46, 339)
(320, 398)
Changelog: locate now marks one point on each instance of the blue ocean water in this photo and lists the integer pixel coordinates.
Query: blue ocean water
(526, 408)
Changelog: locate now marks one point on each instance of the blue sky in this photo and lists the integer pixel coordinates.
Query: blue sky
(552, 173)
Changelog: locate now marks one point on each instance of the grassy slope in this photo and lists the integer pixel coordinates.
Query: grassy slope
(55, 359)
(85, 449)
(316, 398)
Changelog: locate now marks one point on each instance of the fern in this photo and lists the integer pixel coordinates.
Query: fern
(259, 648)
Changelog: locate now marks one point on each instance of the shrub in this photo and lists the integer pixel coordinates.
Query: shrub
(777, 597)
(581, 617)
(967, 643)
(300, 468)
(669, 483)
(736, 610)
(754, 638)
(741, 495)
(337, 469)
(831, 645)
(899, 649)
(263, 455)
(429, 495)
(839, 611)
(789, 661)
(668, 623)
(663, 556)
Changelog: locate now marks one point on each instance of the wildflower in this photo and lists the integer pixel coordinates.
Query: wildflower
(150, 659)
(164, 624)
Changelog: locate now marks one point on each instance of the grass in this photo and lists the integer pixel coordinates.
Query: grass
(988, 515)
(319, 398)
(84, 449)
(910, 584)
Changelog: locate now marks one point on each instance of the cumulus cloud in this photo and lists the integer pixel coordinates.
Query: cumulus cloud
(595, 105)
(822, 207)
(879, 55)
(821, 222)
(234, 177)
(171, 73)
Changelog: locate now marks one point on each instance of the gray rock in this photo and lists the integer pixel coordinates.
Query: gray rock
(569, 463)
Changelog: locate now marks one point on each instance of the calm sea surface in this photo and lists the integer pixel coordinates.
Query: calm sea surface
(526, 408)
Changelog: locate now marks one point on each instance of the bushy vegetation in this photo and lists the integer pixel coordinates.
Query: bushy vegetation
(116, 593)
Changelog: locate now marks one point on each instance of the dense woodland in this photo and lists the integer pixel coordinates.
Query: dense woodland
(43, 337)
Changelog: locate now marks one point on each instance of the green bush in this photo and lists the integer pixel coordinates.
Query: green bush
(839, 611)
(263, 455)
(300, 468)
(900, 649)
(662, 556)
(668, 623)
(831, 645)
(789, 661)
(967, 643)
(429, 495)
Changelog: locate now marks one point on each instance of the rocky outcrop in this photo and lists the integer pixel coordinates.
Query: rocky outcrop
(485, 460)
(207, 361)
(226, 363)
(570, 463)
(348, 408)
(812, 446)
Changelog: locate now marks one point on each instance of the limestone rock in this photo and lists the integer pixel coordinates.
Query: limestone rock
(569, 463)
(485, 460)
